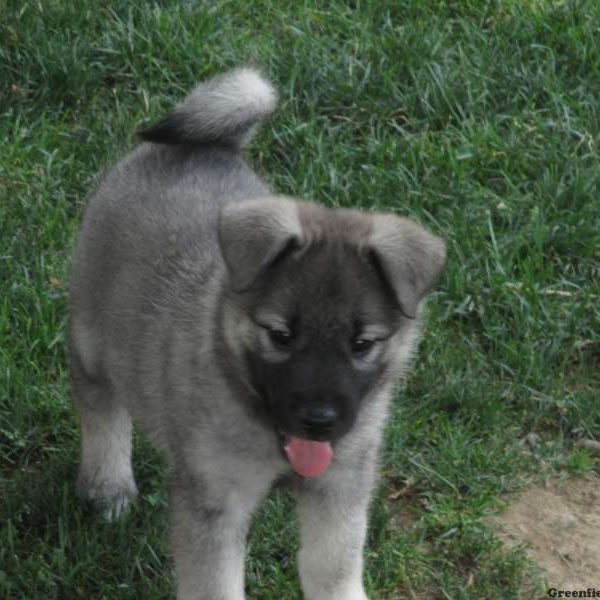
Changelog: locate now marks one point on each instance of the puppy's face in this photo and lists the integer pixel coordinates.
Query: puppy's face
(325, 308)
(320, 326)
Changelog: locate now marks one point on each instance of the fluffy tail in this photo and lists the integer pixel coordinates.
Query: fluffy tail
(226, 109)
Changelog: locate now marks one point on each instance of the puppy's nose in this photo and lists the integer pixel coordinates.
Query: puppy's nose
(321, 417)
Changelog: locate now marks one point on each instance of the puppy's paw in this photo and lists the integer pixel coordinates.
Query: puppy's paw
(115, 507)
(110, 499)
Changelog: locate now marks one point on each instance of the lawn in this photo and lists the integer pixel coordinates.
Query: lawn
(480, 119)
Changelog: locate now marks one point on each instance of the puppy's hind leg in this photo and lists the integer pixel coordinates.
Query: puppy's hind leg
(105, 472)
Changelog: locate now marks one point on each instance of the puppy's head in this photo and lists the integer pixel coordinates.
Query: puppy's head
(322, 311)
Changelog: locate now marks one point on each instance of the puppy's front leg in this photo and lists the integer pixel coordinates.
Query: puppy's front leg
(333, 525)
(208, 538)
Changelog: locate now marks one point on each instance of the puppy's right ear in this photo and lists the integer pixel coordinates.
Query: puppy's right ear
(256, 233)
(409, 258)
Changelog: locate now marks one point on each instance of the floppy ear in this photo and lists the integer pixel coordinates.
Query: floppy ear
(409, 258)
(254, 234)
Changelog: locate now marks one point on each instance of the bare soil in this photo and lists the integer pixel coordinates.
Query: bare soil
(559, 526)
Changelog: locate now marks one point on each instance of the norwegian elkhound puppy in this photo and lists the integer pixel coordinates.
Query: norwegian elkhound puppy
(254, 338)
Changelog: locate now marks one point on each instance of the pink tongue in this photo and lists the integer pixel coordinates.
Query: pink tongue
(309, 459)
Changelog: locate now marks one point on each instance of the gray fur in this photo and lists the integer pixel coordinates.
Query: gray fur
(224, 109)
(182, 269)
(267, 226)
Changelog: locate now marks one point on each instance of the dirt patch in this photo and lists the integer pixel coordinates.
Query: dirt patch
(559, 526)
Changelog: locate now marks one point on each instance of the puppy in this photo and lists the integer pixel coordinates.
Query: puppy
(252, 337)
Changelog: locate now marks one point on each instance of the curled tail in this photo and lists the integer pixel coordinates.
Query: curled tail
(226, 109)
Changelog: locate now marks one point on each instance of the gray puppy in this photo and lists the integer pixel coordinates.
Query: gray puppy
(252, 337)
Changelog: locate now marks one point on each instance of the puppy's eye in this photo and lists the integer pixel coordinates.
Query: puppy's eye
(361, 345)
(280, 337)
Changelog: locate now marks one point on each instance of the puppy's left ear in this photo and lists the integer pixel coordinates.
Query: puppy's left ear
(255, 234)
(409, 258)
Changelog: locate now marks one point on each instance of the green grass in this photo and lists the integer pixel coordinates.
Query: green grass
(480, 119)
